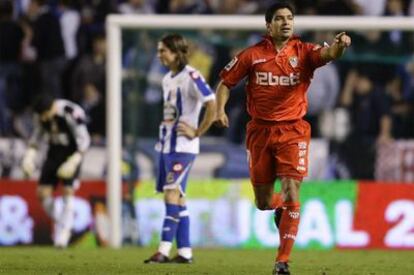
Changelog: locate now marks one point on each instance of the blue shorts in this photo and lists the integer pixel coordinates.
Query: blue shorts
(173, 171)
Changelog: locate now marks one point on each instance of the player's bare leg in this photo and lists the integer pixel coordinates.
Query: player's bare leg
(266, 198)
(45, 196)
(169, 229)
(289, 223)
(64, 223)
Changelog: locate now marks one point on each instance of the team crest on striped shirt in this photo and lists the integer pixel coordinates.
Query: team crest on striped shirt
(293, 61)
(194, 75)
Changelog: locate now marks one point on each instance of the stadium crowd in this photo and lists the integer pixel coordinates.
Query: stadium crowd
(58, 46)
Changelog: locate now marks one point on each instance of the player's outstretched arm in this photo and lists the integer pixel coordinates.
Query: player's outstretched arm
(337, 48)
(222, 95)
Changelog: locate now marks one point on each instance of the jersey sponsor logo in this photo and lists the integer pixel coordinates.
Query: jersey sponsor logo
(262, 60)
(302, 146)
(268, 79)
(231, 64)
(301, 168)
(293, 61)
(289, 236)
(170, 113)
(178, 167)
(294, 214)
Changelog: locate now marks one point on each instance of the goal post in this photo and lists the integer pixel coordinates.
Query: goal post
(116, 23)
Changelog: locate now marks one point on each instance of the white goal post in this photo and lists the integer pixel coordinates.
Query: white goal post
(114, 26)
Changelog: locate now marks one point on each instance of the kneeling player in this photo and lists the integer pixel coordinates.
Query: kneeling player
(63, 123)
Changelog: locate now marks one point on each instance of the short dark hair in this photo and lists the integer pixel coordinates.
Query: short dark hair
(270, 12)
(177, 44)
(43, 103)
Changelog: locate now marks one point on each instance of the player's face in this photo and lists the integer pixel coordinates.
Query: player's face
(166, 56)
(281, 26)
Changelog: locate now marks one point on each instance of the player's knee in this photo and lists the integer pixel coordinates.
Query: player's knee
(262, 204)
(172, 196)
(42, 194)
(291, 193)
(68, 191)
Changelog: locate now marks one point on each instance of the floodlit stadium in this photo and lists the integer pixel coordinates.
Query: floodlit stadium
(356, 202)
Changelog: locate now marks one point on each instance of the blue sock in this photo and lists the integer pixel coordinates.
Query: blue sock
(183, 231)
(171, 220)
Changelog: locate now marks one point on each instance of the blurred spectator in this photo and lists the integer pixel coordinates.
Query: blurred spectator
(11, 41)
(408, 80)
(200, 59)
(136, 7)
(93, 14)
(337, 7)
(371, 7)
(89, 88)
(397, 7)
(184, 6)
(401, 110)
(401, 41)
(70, 22)
(371, 123)
(378, 53)
(324, 88)
(153, 97)
(97, 9)
(236, 7)
(48, 42)
(411, 9)
(20, 8)
(368, 105)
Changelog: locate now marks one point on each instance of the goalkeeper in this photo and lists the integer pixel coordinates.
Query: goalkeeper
(63, 124)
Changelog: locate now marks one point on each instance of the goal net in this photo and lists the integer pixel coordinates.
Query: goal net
(131, 49)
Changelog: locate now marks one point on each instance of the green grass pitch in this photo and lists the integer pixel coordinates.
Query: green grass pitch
(47, 260)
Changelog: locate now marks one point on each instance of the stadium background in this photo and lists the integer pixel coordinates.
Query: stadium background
(359, 193)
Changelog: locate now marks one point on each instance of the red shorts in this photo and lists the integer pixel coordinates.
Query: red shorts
(277, 149)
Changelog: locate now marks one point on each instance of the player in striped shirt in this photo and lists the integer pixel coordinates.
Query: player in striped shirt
(185, 92)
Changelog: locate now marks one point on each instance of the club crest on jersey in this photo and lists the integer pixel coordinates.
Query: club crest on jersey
(194, 75)
(293, 61)
(178, 167)
(170, 112)
(231, 64)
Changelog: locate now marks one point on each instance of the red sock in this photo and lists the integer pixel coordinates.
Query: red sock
(276, 201)
(288, 229)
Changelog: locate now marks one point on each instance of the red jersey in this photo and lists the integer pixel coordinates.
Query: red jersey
(276, 80)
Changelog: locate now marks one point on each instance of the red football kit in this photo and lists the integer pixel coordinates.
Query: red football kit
(277, 136)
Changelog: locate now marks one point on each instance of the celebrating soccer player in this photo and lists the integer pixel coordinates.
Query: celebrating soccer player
(278, 71)
(185, 92)
(63, 122)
